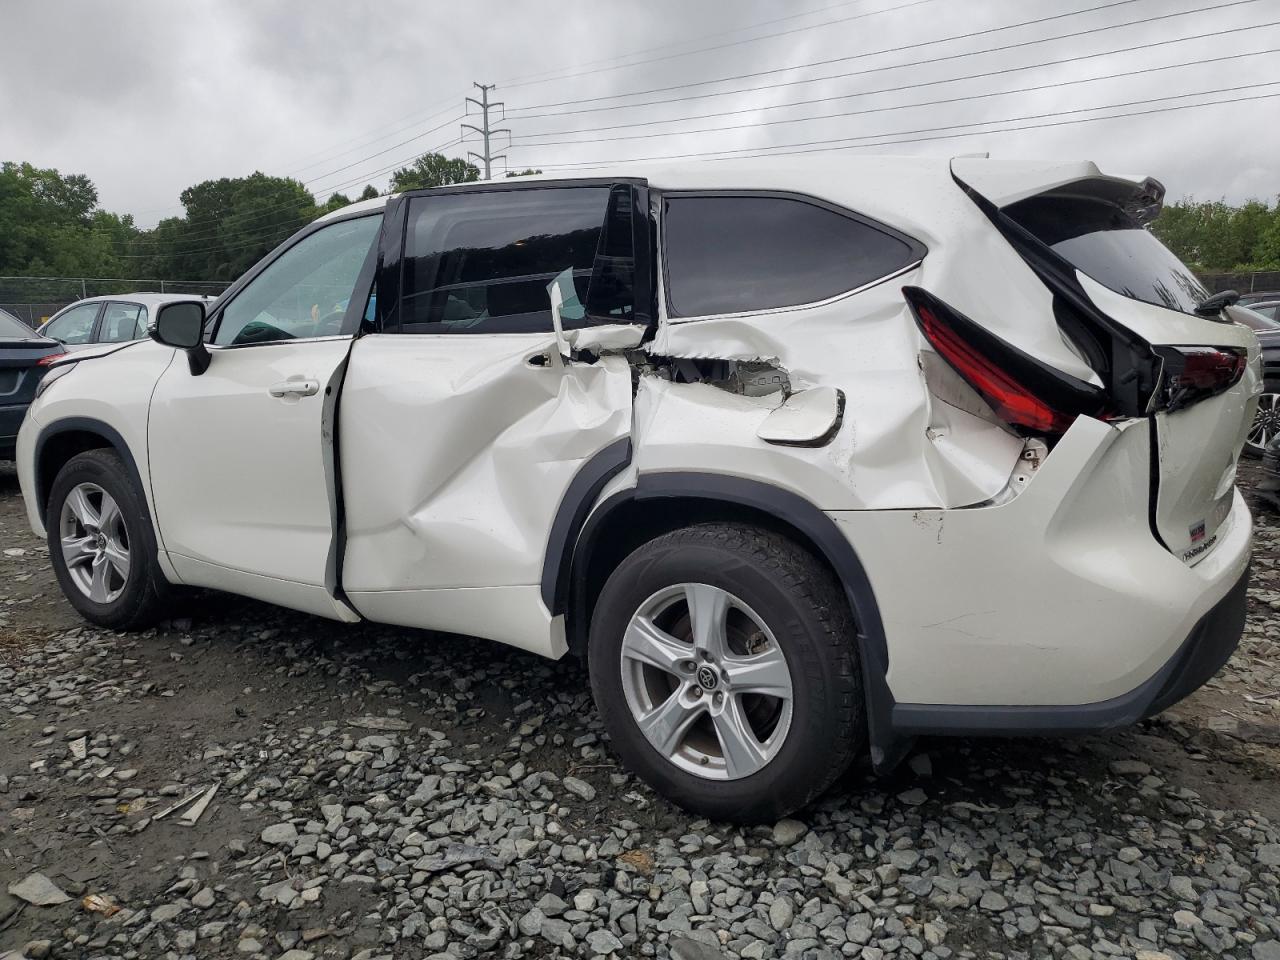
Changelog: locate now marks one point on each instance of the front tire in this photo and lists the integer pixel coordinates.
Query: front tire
(723, 663)
(102, 544)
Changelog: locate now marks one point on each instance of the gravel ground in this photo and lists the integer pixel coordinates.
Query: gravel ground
(385, 793)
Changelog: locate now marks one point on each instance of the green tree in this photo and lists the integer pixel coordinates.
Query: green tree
(50, 224)
(336, 201)
(433, 170)
(522, 173)
(230, 224)
(369, 192)
(1215, 236)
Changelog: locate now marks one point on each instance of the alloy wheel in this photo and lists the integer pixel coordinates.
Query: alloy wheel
(706, 681)
(1266, 423)
(95, 542)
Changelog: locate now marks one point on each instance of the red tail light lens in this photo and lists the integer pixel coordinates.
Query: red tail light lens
(1013, 402)
(1030, 396)
(1194, 373)
(50, 359)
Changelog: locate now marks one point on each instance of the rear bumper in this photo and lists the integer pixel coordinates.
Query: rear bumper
(1202, 654)
(1057, 611)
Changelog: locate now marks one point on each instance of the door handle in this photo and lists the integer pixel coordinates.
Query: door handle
(295, 387)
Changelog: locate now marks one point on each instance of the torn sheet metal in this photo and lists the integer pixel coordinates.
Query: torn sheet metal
(898, 446)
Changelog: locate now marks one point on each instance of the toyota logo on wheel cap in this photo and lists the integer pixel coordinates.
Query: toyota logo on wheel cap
(707, 678)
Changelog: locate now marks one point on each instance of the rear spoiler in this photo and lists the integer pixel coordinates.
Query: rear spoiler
(1002, 183)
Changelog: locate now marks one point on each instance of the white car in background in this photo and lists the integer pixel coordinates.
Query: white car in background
(116, 318)
(803, 458)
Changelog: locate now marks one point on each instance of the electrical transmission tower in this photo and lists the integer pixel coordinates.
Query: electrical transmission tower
(485, 130)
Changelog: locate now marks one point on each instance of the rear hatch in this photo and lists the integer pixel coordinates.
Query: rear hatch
(1129, 306)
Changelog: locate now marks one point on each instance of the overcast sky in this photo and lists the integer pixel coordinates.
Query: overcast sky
(147, 98)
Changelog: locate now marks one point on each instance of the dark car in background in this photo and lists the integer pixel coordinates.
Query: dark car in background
(6, 316)
(1258, 296)
(1266, 422)
(24, 357)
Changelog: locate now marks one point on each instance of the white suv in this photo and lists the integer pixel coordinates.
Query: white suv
(805, 459)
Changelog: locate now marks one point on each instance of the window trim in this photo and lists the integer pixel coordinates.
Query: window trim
(93, 327)
(395, 239)
(917, 249)
(98, 328)
(214, 318)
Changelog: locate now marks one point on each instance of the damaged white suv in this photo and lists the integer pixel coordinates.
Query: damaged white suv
(805, 459)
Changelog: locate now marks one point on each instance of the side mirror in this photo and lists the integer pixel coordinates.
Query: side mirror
(181, 325)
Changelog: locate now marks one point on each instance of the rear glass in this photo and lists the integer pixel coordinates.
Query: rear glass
(1104, 242)
(11, 328)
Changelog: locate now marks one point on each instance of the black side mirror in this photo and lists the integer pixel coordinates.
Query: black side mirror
(181, 325)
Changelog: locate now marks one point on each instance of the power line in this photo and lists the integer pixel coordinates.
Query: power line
(272, 210)
(350, 149)
(737, 43)
(524, 79)
(1235, 57)
(944, 80)
(1142, 21)
(783, 148)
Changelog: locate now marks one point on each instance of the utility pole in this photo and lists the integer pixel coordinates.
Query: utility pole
(485, 130)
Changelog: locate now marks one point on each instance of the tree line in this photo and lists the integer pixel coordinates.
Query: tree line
(52, 226)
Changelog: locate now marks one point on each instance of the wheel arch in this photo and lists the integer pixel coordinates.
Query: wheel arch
(63, 439)
(661, 502)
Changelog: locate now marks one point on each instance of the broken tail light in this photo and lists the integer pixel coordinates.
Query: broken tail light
(1193, 373)
(1030, 396)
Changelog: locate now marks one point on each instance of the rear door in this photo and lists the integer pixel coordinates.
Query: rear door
(1207, 372)
(121, 322)
(462, 427)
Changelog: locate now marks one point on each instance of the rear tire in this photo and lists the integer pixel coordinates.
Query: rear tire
(760, 725)
(102, 544)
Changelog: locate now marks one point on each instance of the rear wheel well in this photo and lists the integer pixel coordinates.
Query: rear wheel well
(632, 523)
(59, 448)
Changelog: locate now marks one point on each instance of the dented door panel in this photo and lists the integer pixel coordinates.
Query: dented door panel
(461, 449)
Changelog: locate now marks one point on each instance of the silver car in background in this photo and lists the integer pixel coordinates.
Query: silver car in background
(115, 318)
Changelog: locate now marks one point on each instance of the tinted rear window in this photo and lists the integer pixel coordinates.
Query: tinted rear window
(735, 254)
(11, 328)
(1104, 242)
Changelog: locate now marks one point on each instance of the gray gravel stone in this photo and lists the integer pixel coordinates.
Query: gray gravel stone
(280, 834)
(781, 913)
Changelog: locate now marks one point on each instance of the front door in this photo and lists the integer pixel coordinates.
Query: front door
(241, 454)
(462, 427)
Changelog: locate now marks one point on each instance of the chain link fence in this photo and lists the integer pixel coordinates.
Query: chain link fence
(34, 299)
(1257, 282)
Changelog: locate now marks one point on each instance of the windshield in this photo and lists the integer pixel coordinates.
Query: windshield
(11, 328)
(1101, 240)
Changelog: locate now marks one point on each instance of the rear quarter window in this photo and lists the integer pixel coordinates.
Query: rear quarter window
(739, 253)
